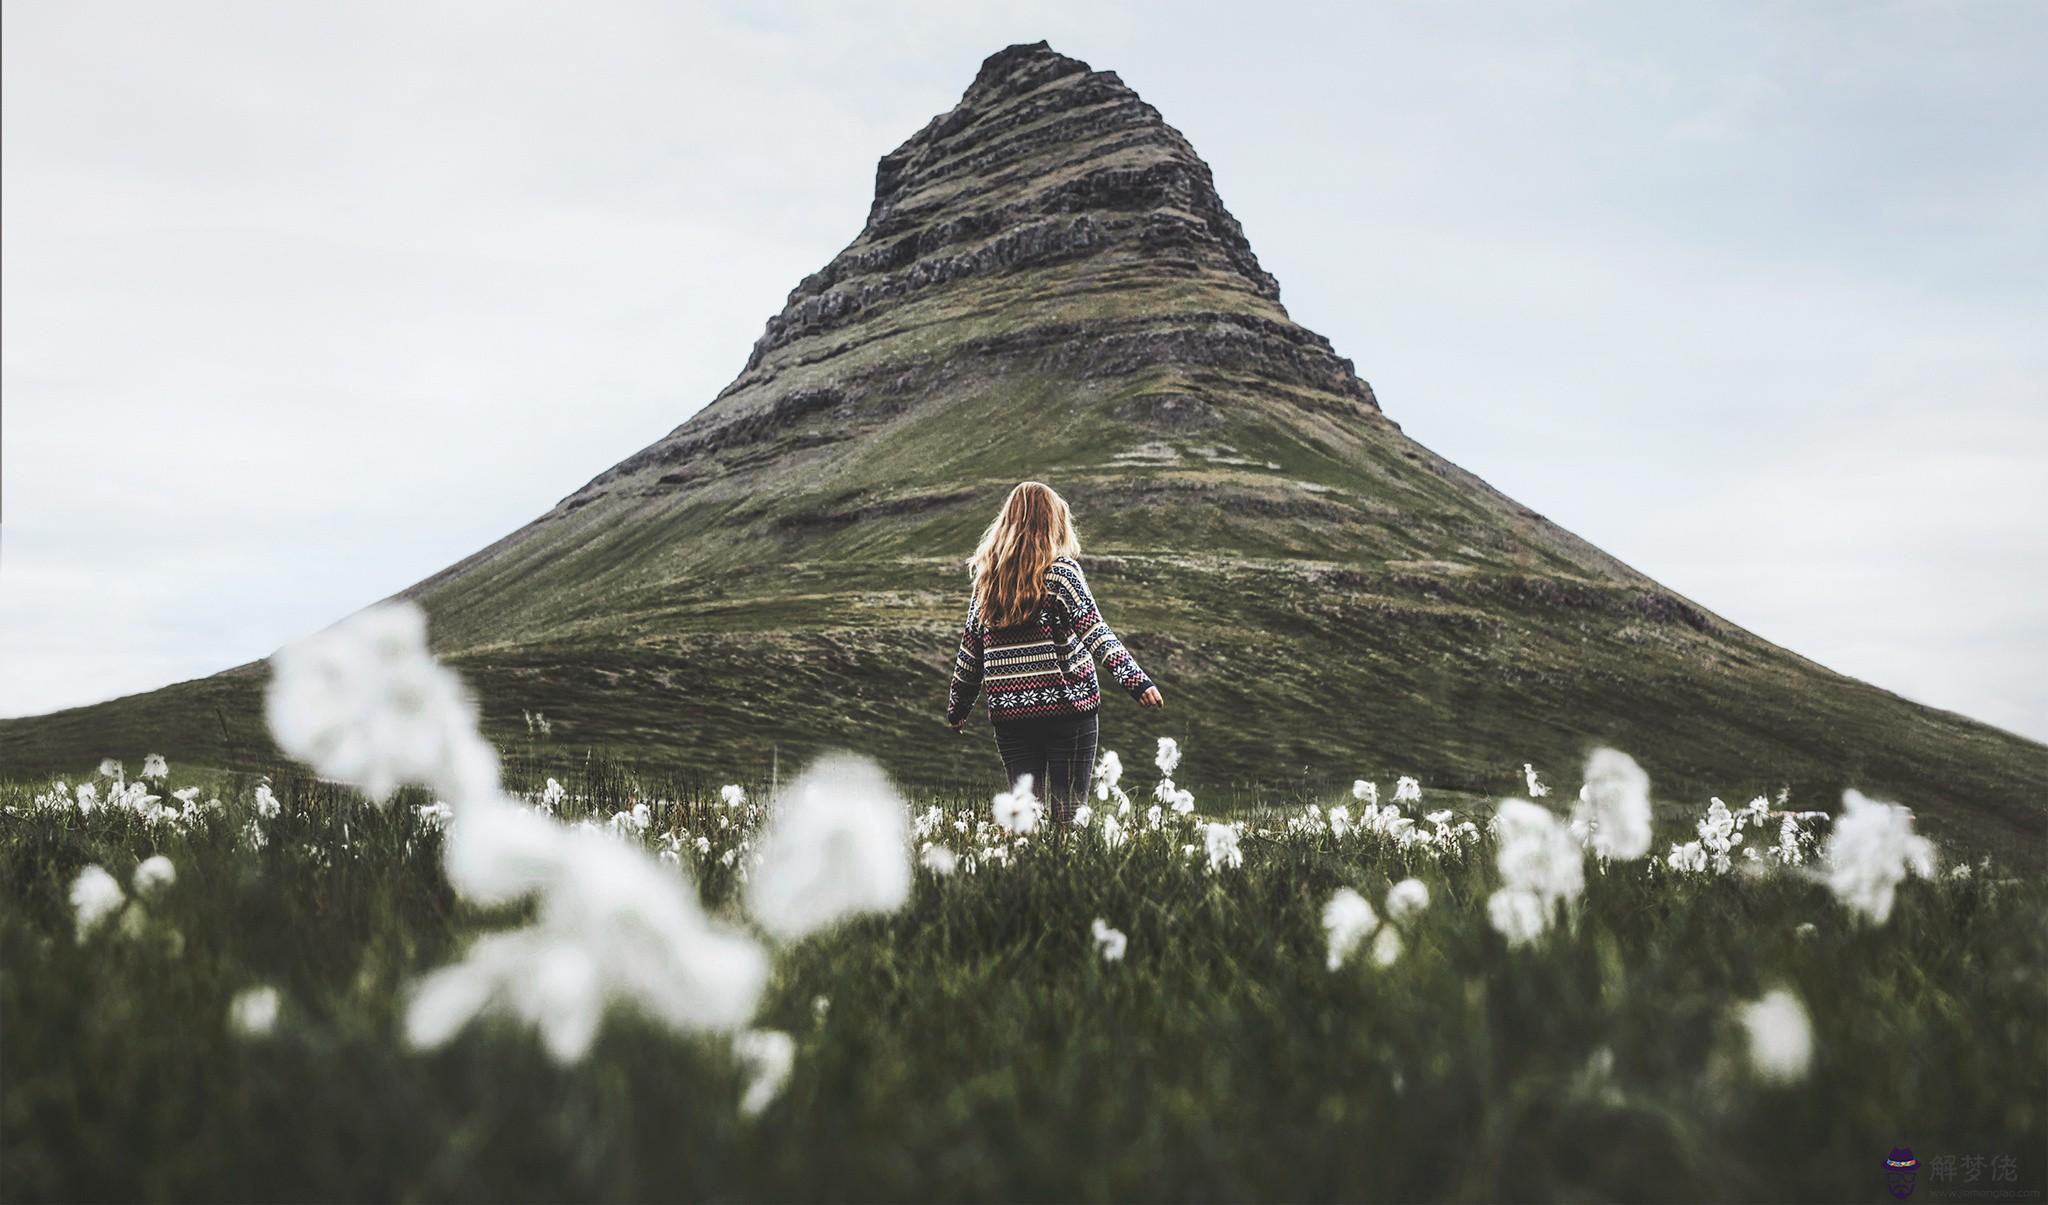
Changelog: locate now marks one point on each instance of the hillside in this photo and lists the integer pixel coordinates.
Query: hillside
(1048, 285)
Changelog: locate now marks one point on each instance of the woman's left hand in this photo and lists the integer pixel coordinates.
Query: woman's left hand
(1151, 698)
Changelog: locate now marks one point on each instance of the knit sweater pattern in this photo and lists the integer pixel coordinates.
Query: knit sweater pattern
(1045, 665)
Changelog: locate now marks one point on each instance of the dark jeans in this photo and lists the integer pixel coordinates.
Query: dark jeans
(1057, 751)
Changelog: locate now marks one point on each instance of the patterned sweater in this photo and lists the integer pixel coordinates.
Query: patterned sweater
(1045, 665)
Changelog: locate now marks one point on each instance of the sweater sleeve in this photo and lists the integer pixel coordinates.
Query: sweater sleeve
(1094, 631)
(966, 669)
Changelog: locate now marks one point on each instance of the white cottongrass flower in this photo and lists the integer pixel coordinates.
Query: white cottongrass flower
(768, 1056)
(1109, 771)
(1113, 834)
(267, 804)
(1612, 816)
(109, 768)
(1220, 840)
(836, 846)
(364, 701)
(1154, 816)
(153, 875)
(1407, 898)
(1407, 790)
(1017, 808)
(551, 796)
(1780, 1036)
(612, 924)
(1517, 915)
(1690, 857)
(1111, 942)
(1168, 758)
(732, 795)
(1540, 867)
(1365, 792)
(1537, 854)
(435, 816)
(1871, 851)
(1386, 947)
(1719, 834)
(1792, 842)
(939, 860)
(95, 896)
(88, 798)
(253, 1011)
(1536, 788)
(1082, 815)
(1340, 822)
(154, 767)
(1182, 802)
(1348, 919)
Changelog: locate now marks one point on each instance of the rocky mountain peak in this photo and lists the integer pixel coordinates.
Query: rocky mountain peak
(1043, 162)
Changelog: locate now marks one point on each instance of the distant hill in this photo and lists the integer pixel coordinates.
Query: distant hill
(1048, 286)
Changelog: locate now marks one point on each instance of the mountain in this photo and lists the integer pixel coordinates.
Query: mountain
(1048, 286)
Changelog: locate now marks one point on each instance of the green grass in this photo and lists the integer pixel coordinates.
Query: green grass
(976, 1048)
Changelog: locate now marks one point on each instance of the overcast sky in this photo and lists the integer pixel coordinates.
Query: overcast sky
(303, 302)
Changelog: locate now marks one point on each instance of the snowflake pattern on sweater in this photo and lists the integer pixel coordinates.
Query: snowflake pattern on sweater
(1045, 665)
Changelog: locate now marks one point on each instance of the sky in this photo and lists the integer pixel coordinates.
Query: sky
(301, 303)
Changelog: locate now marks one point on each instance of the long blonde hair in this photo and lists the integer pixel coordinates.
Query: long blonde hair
(1016, 552)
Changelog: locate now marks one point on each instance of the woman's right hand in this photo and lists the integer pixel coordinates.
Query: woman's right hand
(1151, 698)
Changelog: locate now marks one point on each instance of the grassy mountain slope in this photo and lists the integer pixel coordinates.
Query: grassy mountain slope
(1048, 286)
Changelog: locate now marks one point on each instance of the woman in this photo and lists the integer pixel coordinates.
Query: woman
(1031, 641)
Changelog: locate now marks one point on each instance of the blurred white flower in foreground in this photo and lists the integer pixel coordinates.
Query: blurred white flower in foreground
(153, 875)
(1517, 915)
(1017, 809)
(1168, 758)
(1540, 868)
(1537, 854)
(1386, 947)
(1112, 942)
(1871, 851)
(1612, 816)
(95, 896)
(1780, 1036)
(612, 925)
(1220, 840)
(1406, 898)
(364, 701)
(1348, 919)
(253, 1012)
(768, 1056)
(837, 845)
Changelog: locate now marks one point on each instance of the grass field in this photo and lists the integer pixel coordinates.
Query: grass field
(975, 1044)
